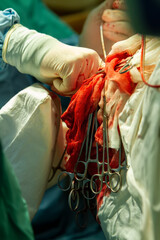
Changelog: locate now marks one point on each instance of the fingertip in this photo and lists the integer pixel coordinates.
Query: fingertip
(114, 36)
(106, 15)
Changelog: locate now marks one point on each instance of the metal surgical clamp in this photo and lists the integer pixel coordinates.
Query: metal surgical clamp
(111, 176)
(105, 174)
(127, 66)
(58, 167)
(87, 143)
(76, 189)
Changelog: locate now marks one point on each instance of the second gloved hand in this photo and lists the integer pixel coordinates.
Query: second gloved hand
(116, 25)
(61, 66)
(67, 66)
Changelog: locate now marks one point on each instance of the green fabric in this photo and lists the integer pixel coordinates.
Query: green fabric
(35, 15)
(14, 217)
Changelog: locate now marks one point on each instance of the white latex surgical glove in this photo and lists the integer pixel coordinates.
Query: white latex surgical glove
(50, 61)
(116, 26)
(90, 36)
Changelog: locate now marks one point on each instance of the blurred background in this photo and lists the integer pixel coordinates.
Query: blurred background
(73, 12)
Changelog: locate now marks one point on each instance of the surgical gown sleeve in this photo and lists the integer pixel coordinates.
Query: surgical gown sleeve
(8, 18)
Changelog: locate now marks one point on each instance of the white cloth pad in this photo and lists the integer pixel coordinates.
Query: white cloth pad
(29, 128)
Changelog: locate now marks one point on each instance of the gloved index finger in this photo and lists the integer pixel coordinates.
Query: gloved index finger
(119, 27)
(114, 15)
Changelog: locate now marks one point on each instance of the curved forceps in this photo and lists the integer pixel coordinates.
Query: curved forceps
(58, 167)
(110, 177)
(91, 128)
(66, 182)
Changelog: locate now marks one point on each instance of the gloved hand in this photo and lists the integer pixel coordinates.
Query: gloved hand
(116, 25)
(90, 36)
(50, 61)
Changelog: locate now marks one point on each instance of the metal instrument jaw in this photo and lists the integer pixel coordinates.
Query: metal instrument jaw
(111, 177)
(127, 66)
(58, 167)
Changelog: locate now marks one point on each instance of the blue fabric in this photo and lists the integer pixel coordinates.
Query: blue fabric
(8, 18)
(54, 220)
(11, 81)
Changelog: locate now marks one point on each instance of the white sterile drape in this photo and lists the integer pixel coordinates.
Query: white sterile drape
(134, 212)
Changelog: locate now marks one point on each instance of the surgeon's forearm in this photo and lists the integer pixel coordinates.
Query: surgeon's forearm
(24, 49)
